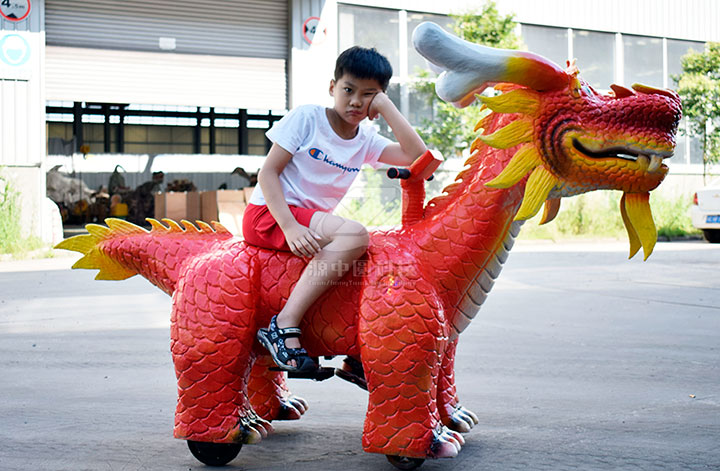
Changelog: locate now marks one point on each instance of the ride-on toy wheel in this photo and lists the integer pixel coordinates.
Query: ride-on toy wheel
(215, 454)
(404, 463)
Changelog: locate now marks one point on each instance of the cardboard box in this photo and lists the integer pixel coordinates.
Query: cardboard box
(178, 205)
(225, 206)
(248, 192)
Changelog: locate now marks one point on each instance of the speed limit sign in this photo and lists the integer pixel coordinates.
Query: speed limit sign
(14, 10)
(313, 31)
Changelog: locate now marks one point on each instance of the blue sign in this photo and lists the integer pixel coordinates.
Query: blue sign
(14, 50)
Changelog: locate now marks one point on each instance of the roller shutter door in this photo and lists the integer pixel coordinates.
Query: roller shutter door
(228, 53)
(256, 28)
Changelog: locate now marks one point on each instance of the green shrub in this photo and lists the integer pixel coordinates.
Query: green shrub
(672, 216)
(10, 234)
(11, 237)
(598, 215)
(374, 201)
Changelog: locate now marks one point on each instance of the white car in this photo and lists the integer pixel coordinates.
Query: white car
(705, 211)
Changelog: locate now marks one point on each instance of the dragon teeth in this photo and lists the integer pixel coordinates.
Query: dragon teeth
(651, 162)
(655, 163)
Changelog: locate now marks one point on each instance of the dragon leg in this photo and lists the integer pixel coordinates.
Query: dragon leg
(269, 395)
(212, 337)
(402, 344)
(453, 415)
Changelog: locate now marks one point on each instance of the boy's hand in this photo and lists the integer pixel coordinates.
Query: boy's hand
(379, 105)
(302, 241)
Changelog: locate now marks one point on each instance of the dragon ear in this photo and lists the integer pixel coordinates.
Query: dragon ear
(470, 68)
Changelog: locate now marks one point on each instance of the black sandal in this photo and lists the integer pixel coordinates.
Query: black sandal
(274, 336)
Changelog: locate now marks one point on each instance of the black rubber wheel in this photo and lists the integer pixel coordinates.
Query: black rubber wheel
(404, 463)
(214, 454)
(712, 235)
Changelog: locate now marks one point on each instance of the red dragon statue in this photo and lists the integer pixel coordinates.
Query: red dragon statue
(549, 135)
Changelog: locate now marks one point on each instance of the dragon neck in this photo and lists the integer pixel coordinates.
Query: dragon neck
(466, 233)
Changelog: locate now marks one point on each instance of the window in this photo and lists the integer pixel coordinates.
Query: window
(551, 43)
(696, 150)
(680, 156)
(643, 60)
(675, 50)
(370, 27)
(595, 53)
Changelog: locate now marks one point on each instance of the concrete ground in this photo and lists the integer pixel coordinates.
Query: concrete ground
(579, 360)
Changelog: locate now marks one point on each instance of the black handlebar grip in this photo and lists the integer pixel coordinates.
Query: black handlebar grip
(402, 173)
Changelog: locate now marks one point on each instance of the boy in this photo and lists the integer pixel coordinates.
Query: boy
(316, 154)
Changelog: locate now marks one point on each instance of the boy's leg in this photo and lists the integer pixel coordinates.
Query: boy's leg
(343, 241)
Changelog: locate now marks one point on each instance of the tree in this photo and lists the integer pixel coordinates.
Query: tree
(451, 129)
(699, 89)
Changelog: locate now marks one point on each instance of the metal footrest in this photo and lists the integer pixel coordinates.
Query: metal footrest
(321, 374)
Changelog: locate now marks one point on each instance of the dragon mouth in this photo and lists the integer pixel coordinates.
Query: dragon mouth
(649, 159)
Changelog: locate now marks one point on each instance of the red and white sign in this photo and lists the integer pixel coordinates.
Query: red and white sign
(14, 10)
(313, 31)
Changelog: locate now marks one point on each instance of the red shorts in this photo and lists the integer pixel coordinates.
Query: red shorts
(261, 229)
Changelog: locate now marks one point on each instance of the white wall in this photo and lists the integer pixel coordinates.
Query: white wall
(681, 19)
(22, 111)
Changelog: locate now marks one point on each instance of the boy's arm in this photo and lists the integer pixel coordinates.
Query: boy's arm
(409, 146)
(302, 240)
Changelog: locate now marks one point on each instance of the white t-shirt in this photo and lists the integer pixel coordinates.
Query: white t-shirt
(323, 165)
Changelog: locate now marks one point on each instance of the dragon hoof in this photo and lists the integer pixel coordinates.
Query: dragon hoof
(253, 429)
(447, 444)
(292, 408)
(264, 427)
(299, 403)
(462, 420)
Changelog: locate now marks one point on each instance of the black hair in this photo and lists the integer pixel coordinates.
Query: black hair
(364, 63)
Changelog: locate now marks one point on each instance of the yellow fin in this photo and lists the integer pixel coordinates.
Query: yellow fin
(189, 226)
(219, 228)
(522, 100)
(123, 227)
(538, 187)
(524, 160)
(157, 225)
(515, 133)
(174, 226)
(79, 243)
(552, 207)
(638, 219)
(97, 230)
(205, 227)
(94, 258)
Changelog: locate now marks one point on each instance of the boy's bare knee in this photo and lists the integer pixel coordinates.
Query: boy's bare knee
(351, 237)
(358, 235)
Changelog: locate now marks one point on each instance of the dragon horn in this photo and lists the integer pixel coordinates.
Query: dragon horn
(470, 68)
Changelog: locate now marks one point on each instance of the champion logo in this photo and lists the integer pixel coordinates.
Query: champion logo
(321, 156)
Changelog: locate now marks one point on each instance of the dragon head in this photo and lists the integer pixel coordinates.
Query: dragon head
(569, 138)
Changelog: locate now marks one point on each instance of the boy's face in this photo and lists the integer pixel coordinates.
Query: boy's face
(353, 97)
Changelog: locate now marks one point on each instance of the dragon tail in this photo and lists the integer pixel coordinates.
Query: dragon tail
(121, 249)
